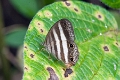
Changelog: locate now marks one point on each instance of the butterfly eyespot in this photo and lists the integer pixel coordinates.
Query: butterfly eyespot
(64, 24)
(71, 45)
(71, 59)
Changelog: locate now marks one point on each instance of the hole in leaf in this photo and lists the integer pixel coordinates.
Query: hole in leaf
(68, 72)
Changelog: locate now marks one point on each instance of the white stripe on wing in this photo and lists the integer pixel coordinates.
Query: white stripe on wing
(64, 43)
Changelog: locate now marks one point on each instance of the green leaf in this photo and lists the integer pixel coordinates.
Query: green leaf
(15, 38)
(95, 36)
(28, 8)
(112, 3)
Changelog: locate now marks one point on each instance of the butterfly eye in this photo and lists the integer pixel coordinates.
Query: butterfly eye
(71, 45)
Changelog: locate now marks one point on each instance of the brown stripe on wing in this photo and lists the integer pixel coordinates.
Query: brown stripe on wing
(55, 48)
(61, 46)
(50, 43)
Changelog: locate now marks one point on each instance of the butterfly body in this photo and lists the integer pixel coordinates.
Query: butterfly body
(60, 42)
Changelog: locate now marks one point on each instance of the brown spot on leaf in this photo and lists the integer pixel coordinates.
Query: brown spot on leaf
(48, 14)
(105, 48)
(68, 4)
(41, 30)
(76, 9)
(99, 16)
(25, 47)
(25, 68)
(68, 72)
(117, 44)
(32, 56)
(38, 23)
(53, 76)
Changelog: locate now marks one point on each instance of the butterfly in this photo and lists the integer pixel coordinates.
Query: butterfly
(60, 42)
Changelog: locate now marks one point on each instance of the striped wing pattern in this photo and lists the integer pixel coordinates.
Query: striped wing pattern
(60, 42)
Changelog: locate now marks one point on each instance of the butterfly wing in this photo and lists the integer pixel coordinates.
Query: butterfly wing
(60, 42)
